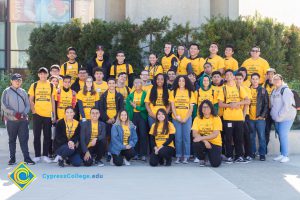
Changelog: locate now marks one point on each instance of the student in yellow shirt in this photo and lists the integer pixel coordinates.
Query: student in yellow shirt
(79, 82)
(157, 97)
(67, 134)
(87, 99)
(120, 65)
(229, 61)
(162, 139)
(123, 140)
(42, 102)
(70, 67)
(99, 84)
(193, 79)
(55, 81)
(258, 112)
(182, 101)
(55, 71)
(207, 69)
(197, 62)
(121, 85)
(92, 139)
(244, 72)
(184, 64)
(153, 68)
(256, 64)
(146, 83)
(171, 78)
(206, 135)
(169, 61)
(216, 61)
(232, 99)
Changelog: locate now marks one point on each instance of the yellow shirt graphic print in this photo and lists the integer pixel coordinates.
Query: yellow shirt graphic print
(126, 134)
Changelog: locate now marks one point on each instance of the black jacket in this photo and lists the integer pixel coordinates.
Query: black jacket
(61, 136)
(91, 64)
(262, 102)
(86, 131)
(75, 86)
(103, 106)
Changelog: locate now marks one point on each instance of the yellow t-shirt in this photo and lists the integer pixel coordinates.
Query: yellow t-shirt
(159, 101)
(94, 133)
(42, 98)
(208, 126)
(247, 83)
(111, 105)
(125, 91)
(154, 70)
(269, 90)
(100, 88)
(126, 134)
(121, 68)
(70, 128)
(137, 97)
(99, 62)
(197, 65)
(217, 62)
(166, 62)
(248, 90)
(217, 90)
(259, 66)
(182, 102)
(182, 66)
(160, 138)
(64, 100)
(252, 113)
(88, 101)
(72, 70)
(210, 95)
(233, 95)
(146, 88)
(231, 63)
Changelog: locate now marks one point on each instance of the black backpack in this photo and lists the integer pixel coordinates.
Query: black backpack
(296, 97)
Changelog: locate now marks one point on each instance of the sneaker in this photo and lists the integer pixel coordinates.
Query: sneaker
(262, 158)
(177, 161)
(111, 162)
(36, 159)
(136, 157)
(185, 161)
(229, 160)
(196, 160)
(126, 162)
(99, 163)
(46, 159)
(12, 161)
(278, 158)
(57, 158)
(143, 158)
(28, 161)
(240, 160)
(61, 162)
(249, 158)
(108, 158)
(285, 159)
(202, 163)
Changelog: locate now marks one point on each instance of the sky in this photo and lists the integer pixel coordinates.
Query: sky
(285, 11)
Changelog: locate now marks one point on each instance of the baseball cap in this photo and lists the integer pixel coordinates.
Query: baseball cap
(16, 76)
(271, 70)
(43, 69)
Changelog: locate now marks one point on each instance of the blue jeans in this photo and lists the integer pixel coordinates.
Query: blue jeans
(258, 126)
(65, 152)
(183, 138)
(150, 121)
(282, 129)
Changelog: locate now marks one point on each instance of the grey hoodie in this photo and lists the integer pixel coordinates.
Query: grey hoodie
(282, 105)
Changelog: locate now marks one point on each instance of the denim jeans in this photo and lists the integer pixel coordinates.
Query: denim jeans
(150, 121)
(183, 138)
(283, 128)
(258, 126)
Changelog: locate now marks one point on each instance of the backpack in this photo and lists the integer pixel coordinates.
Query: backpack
(34, 88)
(296, 98)
(115, 69)
(65, 67)
(73, 97)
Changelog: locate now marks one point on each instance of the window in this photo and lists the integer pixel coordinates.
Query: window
(18, 59)
(2, 59)
(84, 9)
(2, 10)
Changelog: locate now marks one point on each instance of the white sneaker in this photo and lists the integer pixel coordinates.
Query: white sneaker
(57, 158)
(285, 159)
(196, 160)
(36, 159)
(278, 158)
(177, 161)
(111, 162)
(185, 161)
(126, 162)
(46, 159)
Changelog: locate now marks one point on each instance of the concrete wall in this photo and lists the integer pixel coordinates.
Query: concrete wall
(227, 8)
(110, 10)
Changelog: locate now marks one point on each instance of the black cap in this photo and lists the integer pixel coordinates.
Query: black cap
(99, 47)
(43, 69)
(16, 77)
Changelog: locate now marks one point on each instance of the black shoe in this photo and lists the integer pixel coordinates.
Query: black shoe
(28, 161)
(161, 161)
(262, 157)
(108, 158)
(229, 160)
(240, 160)
(169, 162)
(99, 163)
(12, 161)
(61, 163)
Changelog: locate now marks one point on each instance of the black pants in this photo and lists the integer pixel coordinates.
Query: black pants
(127, 153)
(108, 136)
(141, 147)
(18, 129)
(214, 154)
(165, 153)
(41, 123)
(269, 122)
(96, 152)
(247, 141)
(234, 132)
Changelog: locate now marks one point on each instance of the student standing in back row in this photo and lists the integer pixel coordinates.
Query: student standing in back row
(71, 67)
(216, 61)
(169, 61)
(41, 96)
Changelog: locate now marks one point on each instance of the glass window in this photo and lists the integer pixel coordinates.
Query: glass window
(84, 9)
(18, 59)
(2, 10)
(2, 59)
(2, 35)
(20, 33)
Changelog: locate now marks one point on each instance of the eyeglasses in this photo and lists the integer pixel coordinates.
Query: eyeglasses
(255, 51)
(205, 107)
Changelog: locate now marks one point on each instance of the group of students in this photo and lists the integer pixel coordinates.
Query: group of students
(209, 109)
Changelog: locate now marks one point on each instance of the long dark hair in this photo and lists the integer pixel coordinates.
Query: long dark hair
(153, 92)
(93, 92)
(188, 84)
(165, 129)
(210, 105)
